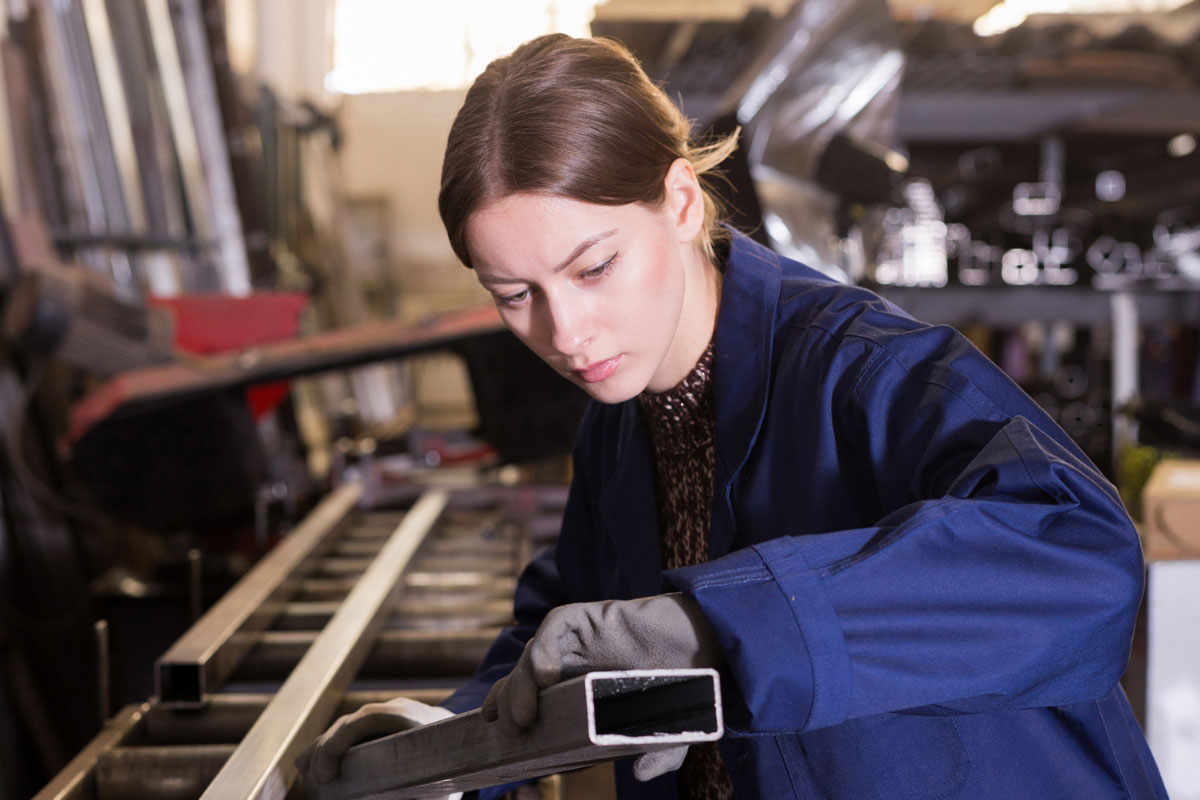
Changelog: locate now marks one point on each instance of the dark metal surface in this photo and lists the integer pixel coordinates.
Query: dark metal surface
(394, 654)
(159, 773)
(75, 782)
(227, 718)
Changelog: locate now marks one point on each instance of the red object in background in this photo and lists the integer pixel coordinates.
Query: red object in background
(213, 323)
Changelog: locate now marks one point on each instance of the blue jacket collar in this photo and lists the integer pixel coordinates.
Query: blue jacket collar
(745, 330)
(742, 368)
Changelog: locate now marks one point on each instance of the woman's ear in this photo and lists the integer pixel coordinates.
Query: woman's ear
(685, 200)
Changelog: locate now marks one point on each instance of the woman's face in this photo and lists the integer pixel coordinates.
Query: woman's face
(609, 296)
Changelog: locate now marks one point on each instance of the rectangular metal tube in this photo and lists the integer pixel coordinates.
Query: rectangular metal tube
(74, 782)
(179, 772)
(263, 764)
(390, 654)
(310, 616)
(212, 648)
(227, 718)
(596, 717)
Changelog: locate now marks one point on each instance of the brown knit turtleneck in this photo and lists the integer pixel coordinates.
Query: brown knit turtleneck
(682, 423)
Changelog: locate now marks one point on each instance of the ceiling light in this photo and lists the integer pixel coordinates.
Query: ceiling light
(1011, 13)
(1182, 145)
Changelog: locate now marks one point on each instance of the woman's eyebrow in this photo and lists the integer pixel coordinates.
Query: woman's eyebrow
(591, 241)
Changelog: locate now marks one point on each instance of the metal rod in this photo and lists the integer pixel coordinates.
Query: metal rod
(103, 672)
(392, 654)
(596, 717)
(212, 648)
(227, 718)
(158, 773)
(451, 613)
(196, 582)
(74, 781)
(263, 764)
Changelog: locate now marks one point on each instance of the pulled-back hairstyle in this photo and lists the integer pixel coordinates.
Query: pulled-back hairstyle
(575, 118)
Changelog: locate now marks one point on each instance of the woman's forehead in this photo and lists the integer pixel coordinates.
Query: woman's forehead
(545, 229)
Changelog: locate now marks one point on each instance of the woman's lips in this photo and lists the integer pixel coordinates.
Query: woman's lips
(594, 373)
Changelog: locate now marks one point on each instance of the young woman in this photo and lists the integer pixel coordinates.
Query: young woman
(915, 585)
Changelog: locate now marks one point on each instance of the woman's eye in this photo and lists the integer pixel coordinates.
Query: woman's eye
(597, 271)
(513, 299)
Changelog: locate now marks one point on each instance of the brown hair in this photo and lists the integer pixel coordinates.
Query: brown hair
(575, 118)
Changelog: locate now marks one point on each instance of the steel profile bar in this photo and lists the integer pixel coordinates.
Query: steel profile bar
(178, 772)
(263, 766)
(593, 718)
(391, 653)
(212, 648)
(228, 717)
(411, 614)
(74, 781)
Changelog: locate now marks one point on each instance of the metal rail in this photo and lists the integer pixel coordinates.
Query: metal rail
(215, 645)
(262, 766)
(161, 751)
(392, 653)
(74, 782)
(594, 718)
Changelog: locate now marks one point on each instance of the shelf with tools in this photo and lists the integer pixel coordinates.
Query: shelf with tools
(1011, 306)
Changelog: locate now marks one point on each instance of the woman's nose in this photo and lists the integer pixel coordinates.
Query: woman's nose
(567, 327)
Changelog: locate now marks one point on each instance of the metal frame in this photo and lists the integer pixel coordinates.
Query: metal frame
(156, 387)
(212, 648)
(263, 765)
(73, 782)
(450, 652)
(587, 720)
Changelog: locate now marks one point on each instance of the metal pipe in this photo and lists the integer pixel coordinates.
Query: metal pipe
(340, 566)
(597, 717)
(498, 547)
(451, 612)
(263, 764)
(103, 672)
(74, 782)
(393, 654)
(227, 718)
(479, 582)
(158, 773)
(210, 650)
(356, 548)
(196, 581)
(468, 562)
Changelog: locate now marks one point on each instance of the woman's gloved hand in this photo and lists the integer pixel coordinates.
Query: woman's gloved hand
(666, 631)
(319, 761)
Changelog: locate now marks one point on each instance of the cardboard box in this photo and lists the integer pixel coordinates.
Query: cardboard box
(1171, 507)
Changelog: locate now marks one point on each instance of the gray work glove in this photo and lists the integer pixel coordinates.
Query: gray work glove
(319, 761)
(666, 631)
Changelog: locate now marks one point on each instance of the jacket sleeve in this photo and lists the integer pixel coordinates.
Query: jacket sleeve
(1003, 574)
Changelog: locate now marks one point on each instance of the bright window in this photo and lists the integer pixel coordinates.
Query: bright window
(398, 45)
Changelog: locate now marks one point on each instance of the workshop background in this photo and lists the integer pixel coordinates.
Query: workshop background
(238, 351)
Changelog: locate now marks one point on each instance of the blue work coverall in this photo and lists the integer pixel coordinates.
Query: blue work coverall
(923, 589)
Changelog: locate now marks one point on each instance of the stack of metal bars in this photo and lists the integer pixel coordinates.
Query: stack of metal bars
(124, 149)
(351, 607)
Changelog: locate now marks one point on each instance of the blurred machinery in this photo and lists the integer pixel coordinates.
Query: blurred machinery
(1036, 189)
